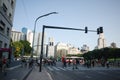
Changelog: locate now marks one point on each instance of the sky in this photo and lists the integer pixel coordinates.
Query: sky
(72, 14)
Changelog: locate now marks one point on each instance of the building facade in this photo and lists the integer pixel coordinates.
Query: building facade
(29, 36)
(24, 35)
(101, 41)
(7, 8)
(51, 48)
(62, 49)
(17, 36)
(37, 44)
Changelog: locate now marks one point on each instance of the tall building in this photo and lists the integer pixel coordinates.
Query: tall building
(37, 44)
(50, 49)
(28, 35)
(62, 49)
(101, 41)
(7, 8)
(17, 36)
(24, 35)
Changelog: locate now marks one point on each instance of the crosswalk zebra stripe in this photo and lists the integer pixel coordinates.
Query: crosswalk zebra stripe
(56, 68)
(69, 68)
(50, 68)
(62, 68)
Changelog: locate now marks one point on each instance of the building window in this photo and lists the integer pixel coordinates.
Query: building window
(5, 45)
(8, 31)
(10, 16)
(0, 44)
(2, 26)
(12, 3)
(4, 8)
(51, 43)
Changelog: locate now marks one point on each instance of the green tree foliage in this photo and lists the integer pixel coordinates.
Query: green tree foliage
(18, 47)
(106, 53)
(21, 48)
(27, 47)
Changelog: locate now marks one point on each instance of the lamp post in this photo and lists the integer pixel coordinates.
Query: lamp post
(35, 27)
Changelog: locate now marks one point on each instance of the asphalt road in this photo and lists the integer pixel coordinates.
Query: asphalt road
(86, 75)
(60, 73)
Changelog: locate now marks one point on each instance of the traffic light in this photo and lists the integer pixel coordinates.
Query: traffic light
(101, 29)
(86, 29)
(98, 31)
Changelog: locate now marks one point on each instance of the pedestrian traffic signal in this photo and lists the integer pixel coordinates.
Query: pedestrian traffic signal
(86, 29)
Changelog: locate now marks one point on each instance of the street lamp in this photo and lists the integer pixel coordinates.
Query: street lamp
(35, 27)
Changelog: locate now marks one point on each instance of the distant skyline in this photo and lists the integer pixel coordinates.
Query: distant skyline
(71, 13)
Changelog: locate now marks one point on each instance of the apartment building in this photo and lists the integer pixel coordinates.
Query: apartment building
(7, 8)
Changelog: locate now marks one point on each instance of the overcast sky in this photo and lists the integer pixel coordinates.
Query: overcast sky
(71, 13)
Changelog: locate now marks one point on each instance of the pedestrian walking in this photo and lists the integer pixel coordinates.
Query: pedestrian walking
(74, 63)
(69, 62)
(107, 64)
(4, 62)
(93, 63)
(64, 62)
(77, 63)
(4, 65)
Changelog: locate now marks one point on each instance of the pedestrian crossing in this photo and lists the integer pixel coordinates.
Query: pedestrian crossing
(60, 68)
(55, 68)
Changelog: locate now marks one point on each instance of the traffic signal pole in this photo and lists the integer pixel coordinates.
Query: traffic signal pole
(54, 27)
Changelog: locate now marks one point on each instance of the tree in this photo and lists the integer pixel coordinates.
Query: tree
(18, 47)
(104, 53)
(27, 48)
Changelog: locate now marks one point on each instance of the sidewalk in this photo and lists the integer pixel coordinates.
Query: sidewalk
(36, 75)
(15, 73)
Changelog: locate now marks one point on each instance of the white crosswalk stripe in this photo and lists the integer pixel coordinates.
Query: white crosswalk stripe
(62, 68)
(69, 68)
(56, 68)
(52, 68)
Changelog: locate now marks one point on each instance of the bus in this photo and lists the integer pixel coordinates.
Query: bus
(81, 59)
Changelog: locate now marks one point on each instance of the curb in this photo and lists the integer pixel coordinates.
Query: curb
(27, 74)
(11, 68)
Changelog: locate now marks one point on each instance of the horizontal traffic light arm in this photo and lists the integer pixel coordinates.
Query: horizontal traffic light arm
(55, 27)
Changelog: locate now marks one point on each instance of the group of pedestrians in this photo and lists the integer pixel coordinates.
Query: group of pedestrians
(93, 63)
(27, 62)
(75, 62)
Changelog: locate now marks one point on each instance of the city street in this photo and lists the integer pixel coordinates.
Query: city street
(83, 73)
(86, 75)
